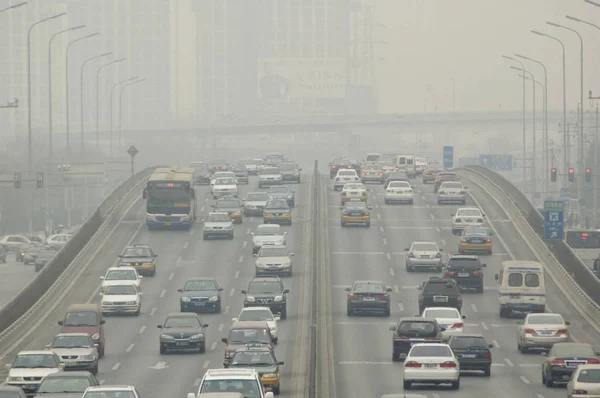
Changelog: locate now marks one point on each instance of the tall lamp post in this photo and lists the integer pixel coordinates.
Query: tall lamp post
(67, 88)
(81, 93)
(453, 93)
(29, 142)
(593, 3)
(13, 6)
(50, 127)
(111, 107)
(98, 97)
(546, 151)
(121, 103)
(524, 112)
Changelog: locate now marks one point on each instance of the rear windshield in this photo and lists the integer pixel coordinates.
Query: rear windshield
(465, 263)
(440, 288)
(589, 376)
(468, 342)
(420, 328)
(431, 351)
(516, 279)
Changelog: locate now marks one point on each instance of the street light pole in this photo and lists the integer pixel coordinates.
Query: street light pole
(111, 108)
(524, 113)
(453, 94)
(98, 97)
(81, 93)
(50, 127)
(67, 88)
(533, 156)
(29, 140)
(121, 103)
(13, 6)
(593, 3)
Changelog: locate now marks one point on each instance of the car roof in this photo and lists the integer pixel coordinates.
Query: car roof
(423, 241)
(120, 268)
(259, 349)
(77, 373)
(468, 208)
(72, 334)
(416, 319)
(223, 374)
(265, 278)
(218, 212)
(469, 335)
(255, 309)
(36, 352)
(202, 278)
(372, 282)
(274, 246)
(249, 324)
(182, 315)
(458, 255)
(138, 245)
(84, 307)
(110, 388)
(442, 308)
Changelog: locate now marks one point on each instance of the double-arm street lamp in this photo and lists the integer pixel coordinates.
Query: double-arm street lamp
(81, 93)
(13, 6)
(121, 104)
(593, 3)
(98, 97)
(112, 90)
(524, 144)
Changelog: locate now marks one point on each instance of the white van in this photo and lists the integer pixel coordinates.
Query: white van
(521, 287)
(408, 164)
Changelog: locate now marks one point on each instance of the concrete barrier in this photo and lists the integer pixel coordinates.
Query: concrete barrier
(39, 285)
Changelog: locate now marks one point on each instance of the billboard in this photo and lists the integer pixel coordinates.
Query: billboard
(300, 85)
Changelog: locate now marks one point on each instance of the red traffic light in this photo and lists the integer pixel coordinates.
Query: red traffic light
(571, 171)
(553, 170)
(588, 170)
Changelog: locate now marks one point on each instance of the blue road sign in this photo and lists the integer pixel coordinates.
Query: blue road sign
(448, 157)
(554, 221)
(497, 162)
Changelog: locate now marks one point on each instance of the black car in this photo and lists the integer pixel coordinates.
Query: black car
(267, 291)
(215, 165)
(371, 296)
(202, 174)
(241, 173)
(290, 172)
(139, 256)
(339, 163)
(3, 253)
(413, 330)
(182, 331)
(466, 271)
(283, 192)
(439, 292)
(12, 392)
(66, 384)
(563, 359)
(232, 206)
(472, 352)
(200, 294)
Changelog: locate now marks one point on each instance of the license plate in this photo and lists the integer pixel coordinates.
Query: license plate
(463, 274)
(356, 214)
(440, 299)
(468, 355)
(31, 386)
(546, 332)
(469, 220)
(515, 296)
(182, 343)
(431, 365)
(424, 256)
(369, 298)
(574, 364)
(273, 269)
(200, 304)
(477, 241)
(168, 224)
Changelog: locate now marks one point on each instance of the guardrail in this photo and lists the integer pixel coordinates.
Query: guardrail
(581, 274)
(42, 282)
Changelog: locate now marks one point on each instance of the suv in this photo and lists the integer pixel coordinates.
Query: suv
(466, 271)
(413, 330)
(139, 256)
(245, 381)
(439, 292)
(267, 291)
(472, 352)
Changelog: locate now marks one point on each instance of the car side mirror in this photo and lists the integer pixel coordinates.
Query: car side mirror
(419, 287)
(347, 289)
(155, 255)
(464, 317)
(443, 329)
(220, 289)
(483, 265)
(277, 318)
(60, 323)
(280, 363)
(567, 323)
(254, 254)
(370, 207)
(102, 322)
(140, 277)
(544, 354)
(101, 278)
(389, 289)
(191, 395)
(159, 326)
(490, 346)
(243, 199)
(441, 250)
(406, 249)
(393, 328)
(48, 346)
(234, 319)
(292, 254)
(213, 206)
(251, 233)
(100, 294)
(285, 233)
(466, 187)
(205, 325)
(224, 340)
(180, 290)
(144, 194)
(286, 291)
(244, 292)
(120, 256)
(497, 277)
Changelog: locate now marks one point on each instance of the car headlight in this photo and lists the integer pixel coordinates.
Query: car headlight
(228, 354)
(278, 298)
(15, 379)
(207, 228)
(96, 336)
(91, 356)
(250, 299)
(288, 264)
(185, 299)
(214, 298)
(131, 303)
(269, 375)
(197, 336)
(290, 196)
(230, 226)
(166, 337)
(185, 217)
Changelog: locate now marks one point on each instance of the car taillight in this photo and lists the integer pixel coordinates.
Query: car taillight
(449, 273)
(479, 220)
(366, 213)
(459, 300)
(380, 173)
(530, 331)
(487, 355)
(384, 298)
(349, 167)
(363, 173)
(439, 255)
(421, 298)
(582, 392)
(353, 297)
(463, 240)
(561, 331)
(448, 364)
(333, 167)
(395, 169)
(411, 255)
(557, 362)
(488, 240)
(477, 273)
(345, 213)
(412, 364)
(458, 325)
(593, 362)
(441, 193)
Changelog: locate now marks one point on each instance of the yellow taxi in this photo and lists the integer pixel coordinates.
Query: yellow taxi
(277, 211)
(141, 257)
(475, 239)
(356, 211)
(263, 360)
(354, 190)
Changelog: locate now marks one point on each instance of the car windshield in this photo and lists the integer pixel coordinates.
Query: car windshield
(35, 361)
(464, 263)
(425, 247)
(477, 231)
(84, 318)
(417, 326)
(228, 203)
(225, 181)
(258, 197)
(468, 213)
(431, 351)
(273, 252)
(125, 290)
(181, 322)
(440, 313)
(72, 342)
(245, 336)
(454, 185)
(121, 275)
(221, 174)
(543, 319)
(589, 376)
(137, 252)
(240, 168)
(269, 230)
(354, 187)
(64, 385)
(264, 288)
(256, 315)
(356, 206)
(276, 204)
(399, 184)
(363, 287)
(219, 218)
(199, 286)
(462, 342)
(280, 190)
(110, 394)
(446, 176)
(253, 358)
(248, 388)
(575, 351)
(270, 170)
(287, 167)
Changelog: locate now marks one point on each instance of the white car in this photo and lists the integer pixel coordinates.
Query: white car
(354, 190)
(58, 241)
(423, 255)
(14, 242)
(124, 298)
(447, 317)
(431, 363)
(29, 368)
(399, 192)
(542, 330)
(267, 234)
(262, 314)
(218, 224)
(465, 217)
(452, 192)
(585, 379)
(246, 381)
(343, 177)
(273, 260)
(76, 350)
(224, 186)
(106, 391)
(269, 175)
(221, 174)
(119, 276)
(255, 202)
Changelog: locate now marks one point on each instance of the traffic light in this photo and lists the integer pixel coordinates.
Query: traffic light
(571, 175)
(18, 179)
(588, 175)
(39, 180)
(553, 174)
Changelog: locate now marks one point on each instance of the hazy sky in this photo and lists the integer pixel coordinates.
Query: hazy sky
(430, 41)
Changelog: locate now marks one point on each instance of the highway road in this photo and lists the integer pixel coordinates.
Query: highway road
(14, 276)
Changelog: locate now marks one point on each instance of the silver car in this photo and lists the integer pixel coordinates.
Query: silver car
(58, 241)
(269, 176)
(542, 330)
(224, 186)
(76, 350)
(218, 224)
(424, 255)
(452, 192)
(465, 217)
(274, 259)
(267, 234)
(255, 202)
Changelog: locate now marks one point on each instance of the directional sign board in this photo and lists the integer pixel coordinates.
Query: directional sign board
(497, 162)
(463, 162)
(554, 220)
(448, 157)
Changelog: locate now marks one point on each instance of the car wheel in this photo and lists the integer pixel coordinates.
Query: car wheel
(349, 311)
(438, 269)
(487, 372)
(456, 384)
(101, 351)
(284, 313)
(387, 312)
(549, 382)
(411, 202)
(163, 349)
(217, 308)
(277, 390)
(407, 384)
(231, 235)
(369, 224)
(95, 370)
(489, 253)
(521, 349)
(202, 348)
(543, 377)
(439, 202)
(204, 237)
(153, 272)
(343, 224)
(480, 289)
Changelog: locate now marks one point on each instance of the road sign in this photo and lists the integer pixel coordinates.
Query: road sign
(132, 151)
(554, 223)
(497, 162)
(448, 156)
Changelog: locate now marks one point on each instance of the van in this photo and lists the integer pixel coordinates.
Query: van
(407, 163)
(372, 157)
(521, 287)
(85, 318)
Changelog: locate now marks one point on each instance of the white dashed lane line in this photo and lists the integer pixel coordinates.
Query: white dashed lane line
(384, 241)
(525, 380)
(171, 276)
(142, 329)
(400, 307)
(509, 362)
(244, 244)
(130, 347)
(213, 346)
(197, 382)
(392, 272)
(232, 291)
(496, 344)
(186, 245)
(153, 311)
(162, 294)
(226, 310)
(241, 259)
(388, 256)
(220, 328)
(205, 366)
(381, 228)
(236, 275)
(116, 366)
(474, 308)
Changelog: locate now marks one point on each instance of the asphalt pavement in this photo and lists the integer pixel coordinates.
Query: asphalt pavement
(14, 276)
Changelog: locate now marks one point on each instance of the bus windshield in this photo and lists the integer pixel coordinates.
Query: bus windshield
(168, 198)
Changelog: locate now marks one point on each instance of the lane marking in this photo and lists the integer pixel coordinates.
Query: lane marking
(438, 229)
(178, 261)
(162, 294)
(186, 245)
(392, 272)
(197, 382)
(496, 344)
(378, 216)
(241, 259)
(236, 275)
(102, 382)
(484, 326)
(539, 396)
(226, 310)
(381, 228)
(130, 347)
(202, 209)
(232, 291)
(427, 206)
(220, 328)
(474, 308)
(388, 256)
(384, 241)
(153, 311)
(213, 346)
(525, 380)
(400, 307)
(244, 244)
(443, 242)
(432, 216)
(509, 362)
(142, 329)
(248, 230)
(171, 276)
(205, 366)
(396, 290)
(116, 366)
